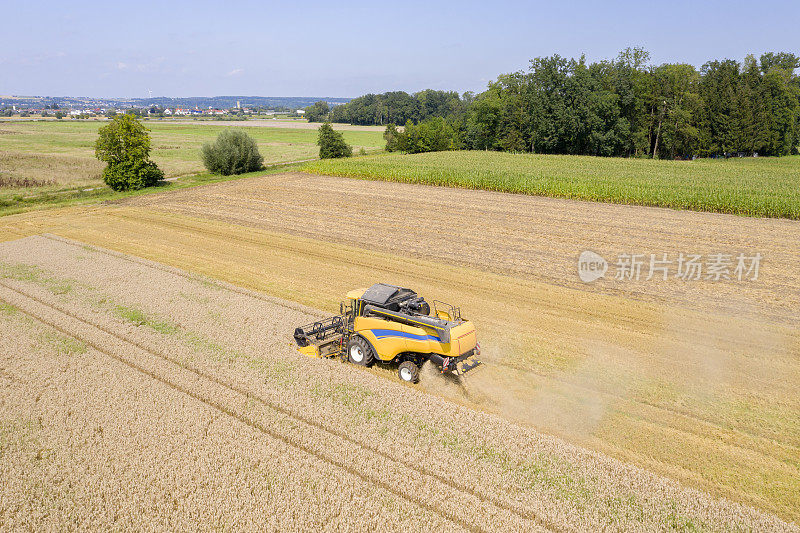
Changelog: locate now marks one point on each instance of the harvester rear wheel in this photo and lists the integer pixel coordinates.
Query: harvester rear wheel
(359, 352)
(408, 371)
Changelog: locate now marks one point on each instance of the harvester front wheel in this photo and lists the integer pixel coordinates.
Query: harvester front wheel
(359, 352)
(408, 371)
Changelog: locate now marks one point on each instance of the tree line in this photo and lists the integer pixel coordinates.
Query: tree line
(620, 107)
(396, 107)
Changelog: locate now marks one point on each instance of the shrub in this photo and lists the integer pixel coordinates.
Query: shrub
(331, 143)
(432, 135)
(132, 174)
(392, 138)
(15, 181)
(234, 152)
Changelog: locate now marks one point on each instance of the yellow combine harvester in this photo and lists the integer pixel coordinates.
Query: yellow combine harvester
(392, 325)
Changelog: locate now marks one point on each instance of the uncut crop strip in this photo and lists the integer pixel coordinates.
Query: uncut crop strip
(550, 306)
(411, 482)
(186, 275)
(517, 236)
(598, 314)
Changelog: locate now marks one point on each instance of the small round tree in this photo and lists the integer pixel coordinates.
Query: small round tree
(234, 152)
(124, 144)
(331, 143)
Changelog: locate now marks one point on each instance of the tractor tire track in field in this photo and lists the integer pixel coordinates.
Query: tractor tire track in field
(512, 366)
(428, 490)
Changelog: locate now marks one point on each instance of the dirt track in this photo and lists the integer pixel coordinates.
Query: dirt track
(204, 381)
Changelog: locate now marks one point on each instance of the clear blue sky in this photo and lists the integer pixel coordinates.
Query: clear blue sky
(345, 49)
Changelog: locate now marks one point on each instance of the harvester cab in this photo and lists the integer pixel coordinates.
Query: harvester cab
(387, 324)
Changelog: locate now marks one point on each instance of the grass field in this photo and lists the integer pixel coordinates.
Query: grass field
(763, 187)
(58, 156)
(29, 199)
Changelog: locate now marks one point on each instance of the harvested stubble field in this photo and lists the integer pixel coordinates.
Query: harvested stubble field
(696, 381)
(137, 393)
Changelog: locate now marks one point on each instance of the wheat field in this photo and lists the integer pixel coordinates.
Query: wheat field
(693, 381)
(136, 391)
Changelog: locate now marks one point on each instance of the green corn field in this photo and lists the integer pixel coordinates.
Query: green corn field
(760, 187)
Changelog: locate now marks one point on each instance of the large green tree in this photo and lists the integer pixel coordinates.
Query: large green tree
(124, 145)
(718, 89)
(123, 139)
(619, 107)
(676, 103)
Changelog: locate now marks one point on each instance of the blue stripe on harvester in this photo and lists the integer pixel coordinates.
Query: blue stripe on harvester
(383, 333)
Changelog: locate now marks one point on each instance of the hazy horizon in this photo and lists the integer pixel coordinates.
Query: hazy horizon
(187, 49)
